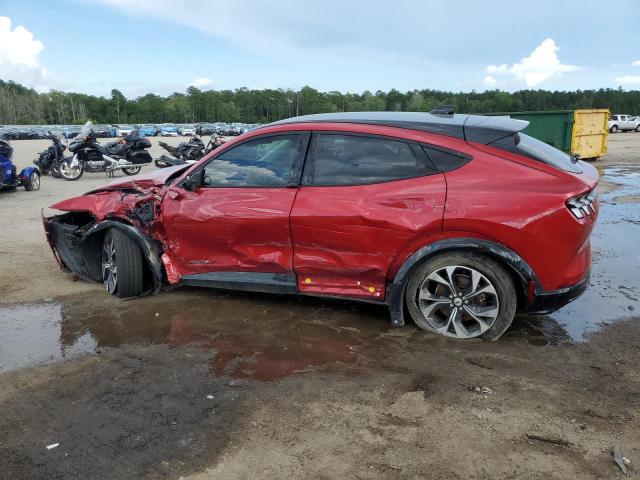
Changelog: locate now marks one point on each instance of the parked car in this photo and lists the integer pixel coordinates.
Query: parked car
(623, 123)
(461, 220)
(169, 131)
(71, 131)
(124, 130)
(102, 131)
(205, 129)
(148, 131)
(9, 133)
(186, 130)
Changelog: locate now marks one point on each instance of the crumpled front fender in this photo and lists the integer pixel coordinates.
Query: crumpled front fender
(79, 248)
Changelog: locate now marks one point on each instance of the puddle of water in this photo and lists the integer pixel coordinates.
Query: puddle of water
(614, 292)
(36, 327)
(250, 337)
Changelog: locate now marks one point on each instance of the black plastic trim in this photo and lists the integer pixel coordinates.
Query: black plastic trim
(550, 301)
(284, 283)
(396, 289)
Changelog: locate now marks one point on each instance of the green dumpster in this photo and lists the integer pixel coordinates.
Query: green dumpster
(553, 127)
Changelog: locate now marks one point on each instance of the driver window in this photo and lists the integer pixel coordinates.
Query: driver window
(264, 162)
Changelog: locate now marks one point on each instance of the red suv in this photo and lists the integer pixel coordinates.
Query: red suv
(459, 221)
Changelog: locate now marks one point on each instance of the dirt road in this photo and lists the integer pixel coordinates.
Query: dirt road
(204, 385)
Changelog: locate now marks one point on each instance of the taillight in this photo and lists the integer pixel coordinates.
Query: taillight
(583, 204)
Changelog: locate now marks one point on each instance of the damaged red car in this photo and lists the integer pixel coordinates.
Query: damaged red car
(456, 222)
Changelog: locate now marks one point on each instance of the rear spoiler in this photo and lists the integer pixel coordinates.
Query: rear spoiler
(485, 130)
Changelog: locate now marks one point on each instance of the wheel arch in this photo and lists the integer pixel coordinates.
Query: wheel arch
(151, 249)
(520, 271)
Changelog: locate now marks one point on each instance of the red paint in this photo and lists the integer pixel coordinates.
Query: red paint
(351, 240)
(232, 229)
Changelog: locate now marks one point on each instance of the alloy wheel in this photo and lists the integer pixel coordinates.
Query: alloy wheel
(35, 181)
(109, 267)
(458, 301)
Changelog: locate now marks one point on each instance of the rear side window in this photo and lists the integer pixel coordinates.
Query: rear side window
(527, 146)
(445, 160)
(359, 160)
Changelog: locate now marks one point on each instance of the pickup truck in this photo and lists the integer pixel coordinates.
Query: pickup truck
(623, 123)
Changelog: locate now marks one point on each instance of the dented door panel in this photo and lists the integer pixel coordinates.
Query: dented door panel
(229, 229)
(346, 237)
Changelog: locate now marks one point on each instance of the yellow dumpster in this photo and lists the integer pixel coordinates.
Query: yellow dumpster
(589, 133)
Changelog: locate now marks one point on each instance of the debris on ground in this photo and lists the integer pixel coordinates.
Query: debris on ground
(480, 389)
(52, 446)
(620, 459)
(552, 440)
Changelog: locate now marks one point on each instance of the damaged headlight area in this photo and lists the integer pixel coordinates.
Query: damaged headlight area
(76, 239)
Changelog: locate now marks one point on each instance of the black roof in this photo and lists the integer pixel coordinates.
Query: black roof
(474, 128)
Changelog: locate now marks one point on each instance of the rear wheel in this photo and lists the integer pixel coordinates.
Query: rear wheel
(638, 128)
(613, 129)
(132, 170)
(32, 183)
(122, 268)
(462, 295)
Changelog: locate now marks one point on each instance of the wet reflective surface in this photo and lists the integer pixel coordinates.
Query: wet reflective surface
(264, 337)
(257, 337)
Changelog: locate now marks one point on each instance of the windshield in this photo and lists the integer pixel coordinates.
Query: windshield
(169, 129)
(87, 129)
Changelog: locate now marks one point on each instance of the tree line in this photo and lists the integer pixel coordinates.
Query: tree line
(21, 105)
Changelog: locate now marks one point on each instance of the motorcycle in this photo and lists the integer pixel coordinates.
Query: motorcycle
(187, 152)
(49, 160)
(128, 154)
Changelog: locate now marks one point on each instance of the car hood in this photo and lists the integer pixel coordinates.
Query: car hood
(157, 178)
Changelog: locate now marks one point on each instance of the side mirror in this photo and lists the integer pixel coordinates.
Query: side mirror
(192, 181)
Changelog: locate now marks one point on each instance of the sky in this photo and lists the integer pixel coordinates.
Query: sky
(162, 46)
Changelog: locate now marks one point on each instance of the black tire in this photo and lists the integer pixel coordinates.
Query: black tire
(493, 272)
(33, 182)
(55, 169)
(132, 170)
(127, 259)
(613, 129)
(638, 128)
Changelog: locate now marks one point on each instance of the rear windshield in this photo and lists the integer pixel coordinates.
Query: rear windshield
(523, 144)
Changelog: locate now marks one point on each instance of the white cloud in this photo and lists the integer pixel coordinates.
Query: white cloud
(627, 80)
(542, 64)
(202, 82)
(19, 53)
(490, 81)
(636, 63)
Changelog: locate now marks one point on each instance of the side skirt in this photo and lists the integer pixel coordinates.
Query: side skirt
(280, 283)
(244, 281)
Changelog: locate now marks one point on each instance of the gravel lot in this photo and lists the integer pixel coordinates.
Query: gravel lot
(202, 384)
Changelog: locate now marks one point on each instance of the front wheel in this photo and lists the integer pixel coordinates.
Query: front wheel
(462, 295)
(132, 170)
(71, 173)
(32, 183)
(613, 129)
(638, 128)
(122, 269)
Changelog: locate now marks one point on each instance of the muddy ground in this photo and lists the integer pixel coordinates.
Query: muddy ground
(203, 384)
